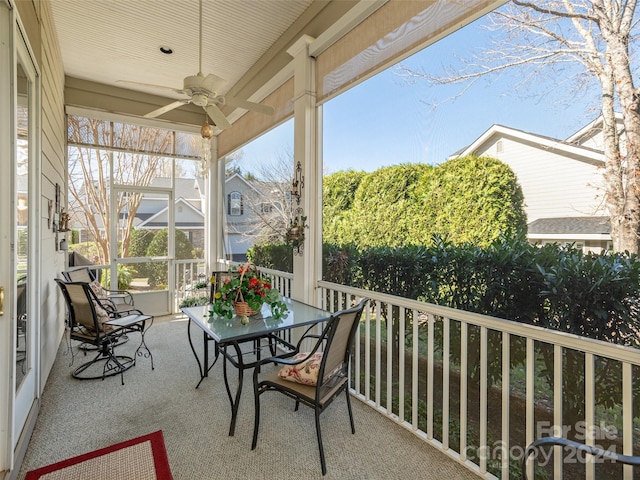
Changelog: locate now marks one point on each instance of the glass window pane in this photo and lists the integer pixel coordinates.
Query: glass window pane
(88, 202)
(144, 276)
(142, 170)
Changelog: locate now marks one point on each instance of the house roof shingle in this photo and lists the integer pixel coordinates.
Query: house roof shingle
(571, 226)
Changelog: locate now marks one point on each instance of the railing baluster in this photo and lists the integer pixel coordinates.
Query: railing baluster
(483, 399)
(557, 409)
(414, 373)
(390, 342)
(627, 416)
(378, 353)
(530, 377)
(589, 412)
(464, 352)
(401, 364)
(430, 379)
(356, 354)
(506, 396)
(367, 356)
(446, 358)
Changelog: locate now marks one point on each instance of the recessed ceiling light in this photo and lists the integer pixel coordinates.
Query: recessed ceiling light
(166, 50)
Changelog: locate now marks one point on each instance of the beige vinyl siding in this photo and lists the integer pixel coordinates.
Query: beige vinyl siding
(53, 170)
(553, 184)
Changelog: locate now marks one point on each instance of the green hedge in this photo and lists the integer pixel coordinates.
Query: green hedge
(551, 286)
(555, 287)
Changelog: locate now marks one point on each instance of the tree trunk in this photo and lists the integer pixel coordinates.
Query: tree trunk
(621, 174)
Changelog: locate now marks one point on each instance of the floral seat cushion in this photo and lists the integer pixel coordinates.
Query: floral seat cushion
(101, 312)
(306, 372)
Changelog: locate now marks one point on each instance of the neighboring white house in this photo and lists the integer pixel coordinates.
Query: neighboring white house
(188, 200)
(241, 218)
(242, 201)
(562, 182)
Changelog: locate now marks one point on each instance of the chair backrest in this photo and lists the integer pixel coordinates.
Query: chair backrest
(21, 294)
(80, 303)
(79, 275)
(339, 335)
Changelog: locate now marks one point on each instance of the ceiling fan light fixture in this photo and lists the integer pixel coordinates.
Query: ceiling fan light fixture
(207, 130)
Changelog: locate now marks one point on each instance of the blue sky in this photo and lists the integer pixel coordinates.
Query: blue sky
(387, 120)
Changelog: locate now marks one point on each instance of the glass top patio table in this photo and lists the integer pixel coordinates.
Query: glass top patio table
(229, 333)
(224, 330)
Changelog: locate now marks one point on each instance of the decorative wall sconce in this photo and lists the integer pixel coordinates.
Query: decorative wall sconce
(298, 183)
(294, 235)
(50, 211)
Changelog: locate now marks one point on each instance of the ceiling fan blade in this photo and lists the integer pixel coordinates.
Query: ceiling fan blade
(247, 105)
(214, 83)
(150, 85)
(217, 116)
(166, 108)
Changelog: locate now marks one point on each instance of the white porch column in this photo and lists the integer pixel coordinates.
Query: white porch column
(213, 212)
(306, 268)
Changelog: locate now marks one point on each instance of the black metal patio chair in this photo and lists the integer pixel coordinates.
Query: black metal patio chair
(120, 301)
(91, 324)
(312, 378)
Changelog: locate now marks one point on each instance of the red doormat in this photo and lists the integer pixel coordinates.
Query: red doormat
(141, 458)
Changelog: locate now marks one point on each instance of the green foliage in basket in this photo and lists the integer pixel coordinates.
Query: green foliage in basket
(248, 286)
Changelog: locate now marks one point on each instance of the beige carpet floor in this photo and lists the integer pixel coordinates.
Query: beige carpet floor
(80, 416)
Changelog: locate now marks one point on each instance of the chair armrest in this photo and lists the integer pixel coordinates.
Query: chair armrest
(124, 294)
(107, 304)
(564, 442)
(285, 359)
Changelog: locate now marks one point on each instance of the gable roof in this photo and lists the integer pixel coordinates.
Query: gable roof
(193, 218)
(585, 154)
(237, 176)
(593, 128)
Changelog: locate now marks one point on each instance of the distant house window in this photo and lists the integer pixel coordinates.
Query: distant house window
(499, 146)
(234, 204)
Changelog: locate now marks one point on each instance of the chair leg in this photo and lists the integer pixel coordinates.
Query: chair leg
(353, 427)
(256, 419)
(320, 447)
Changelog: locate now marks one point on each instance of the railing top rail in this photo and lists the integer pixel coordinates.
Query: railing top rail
(567, 340)
(268, 271)
(190, 260)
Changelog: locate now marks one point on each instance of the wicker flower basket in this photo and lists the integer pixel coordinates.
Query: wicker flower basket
(242, 308)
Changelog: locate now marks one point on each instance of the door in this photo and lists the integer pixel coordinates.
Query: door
(24, 237)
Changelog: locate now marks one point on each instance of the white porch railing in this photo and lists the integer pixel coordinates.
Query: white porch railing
(474, 386)
(188, 274)
(423, 382)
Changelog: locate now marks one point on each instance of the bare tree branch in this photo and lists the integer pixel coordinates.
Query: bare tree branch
(589, 44)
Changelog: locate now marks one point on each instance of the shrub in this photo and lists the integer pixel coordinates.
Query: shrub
(158, 247)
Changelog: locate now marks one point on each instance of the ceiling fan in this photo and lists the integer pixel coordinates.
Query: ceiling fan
(203, 92)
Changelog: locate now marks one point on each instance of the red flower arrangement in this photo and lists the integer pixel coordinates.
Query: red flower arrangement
(245, 293)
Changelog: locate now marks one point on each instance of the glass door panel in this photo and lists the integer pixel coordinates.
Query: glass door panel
(22, 225)
(142, 221)
(25, 257)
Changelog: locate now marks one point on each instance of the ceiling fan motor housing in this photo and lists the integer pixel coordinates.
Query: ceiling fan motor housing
(193, 82)
(200, 99)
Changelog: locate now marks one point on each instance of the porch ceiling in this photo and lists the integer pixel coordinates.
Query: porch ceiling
(105, 43)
